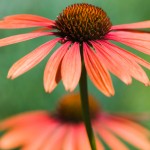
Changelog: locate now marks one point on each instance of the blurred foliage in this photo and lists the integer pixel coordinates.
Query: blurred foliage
(27, 93)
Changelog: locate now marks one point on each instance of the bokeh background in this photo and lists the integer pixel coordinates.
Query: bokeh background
(27, 93)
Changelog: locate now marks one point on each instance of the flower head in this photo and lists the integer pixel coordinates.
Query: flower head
(85, 32)
(65, 129)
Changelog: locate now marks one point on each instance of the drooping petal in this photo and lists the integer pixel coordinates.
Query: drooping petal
(133, 68)
(52, 69)
(97, 72)
(21, 37)
(71, 67)
(131, 55)
(27, 118)
(28, 17)
(138, 25)
(32, 59)
(19, 136)
(38, 141)
(69, 142)
(131, 123)
(82, 137)
(114, 64)
(128, 133)
(110, 139)
(138, 44)
(25, 21)
(99, 145)
(130, 35)
(55, 140)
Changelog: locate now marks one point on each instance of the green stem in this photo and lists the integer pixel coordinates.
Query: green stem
(85, 104)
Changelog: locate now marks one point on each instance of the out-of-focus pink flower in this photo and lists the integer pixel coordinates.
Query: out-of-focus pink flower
(64, 129)
(84, 31)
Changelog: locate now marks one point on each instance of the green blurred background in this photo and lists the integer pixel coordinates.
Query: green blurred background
(27, 93)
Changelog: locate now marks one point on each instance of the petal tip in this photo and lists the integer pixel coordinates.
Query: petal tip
(10, 77)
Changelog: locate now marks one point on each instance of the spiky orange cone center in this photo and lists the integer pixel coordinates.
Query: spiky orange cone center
(83, 22)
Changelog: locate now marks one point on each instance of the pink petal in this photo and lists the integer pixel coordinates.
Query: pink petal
(97, 72)
(32, 59)
(99, 145)
(112, 141)
(25, 21)
(140, 45)
(24, 118)
(52, 70)
(40, 139)
(130, 55)
(130, 35)
(21, 135)
(21, 37)
(128, 133)
(138, 25)
(28, 17)
(128, 122)
(69, 141)
(81, 138)
(112, 63)
(16, 24)
(56, 139)
(133, 68)
(71, 67)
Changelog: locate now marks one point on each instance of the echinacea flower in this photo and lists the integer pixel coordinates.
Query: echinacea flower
(86, 34)
(65, 130)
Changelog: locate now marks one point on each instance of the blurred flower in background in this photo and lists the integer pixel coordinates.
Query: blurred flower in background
(64, 129)
(86, 29)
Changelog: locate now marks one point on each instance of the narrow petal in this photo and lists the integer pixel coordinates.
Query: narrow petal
(82, 136)
(52, 70)
(21, 135)
(132, 56)
(128, 133)
(114, 65)
(99, 145)
(138, 25)
(131, 123)
(110, 139)
(27, 118)
(40, 139)
(21, 37)
(71, 67)
(24, 21)
(27, 17)
(96, 71)
(32, 59)
(138, 44)
(133, 68)
(69, 141)
(55, 141)
(131, 35)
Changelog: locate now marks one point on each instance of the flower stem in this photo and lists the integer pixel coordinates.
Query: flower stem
(85, 104)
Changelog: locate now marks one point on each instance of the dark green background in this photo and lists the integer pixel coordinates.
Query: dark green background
(27, 93)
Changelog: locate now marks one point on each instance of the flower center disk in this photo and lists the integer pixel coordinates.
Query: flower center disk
(83, 22)
(70, 109)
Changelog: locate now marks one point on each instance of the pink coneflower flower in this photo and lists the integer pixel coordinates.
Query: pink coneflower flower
(64, 129)
(85, 32)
